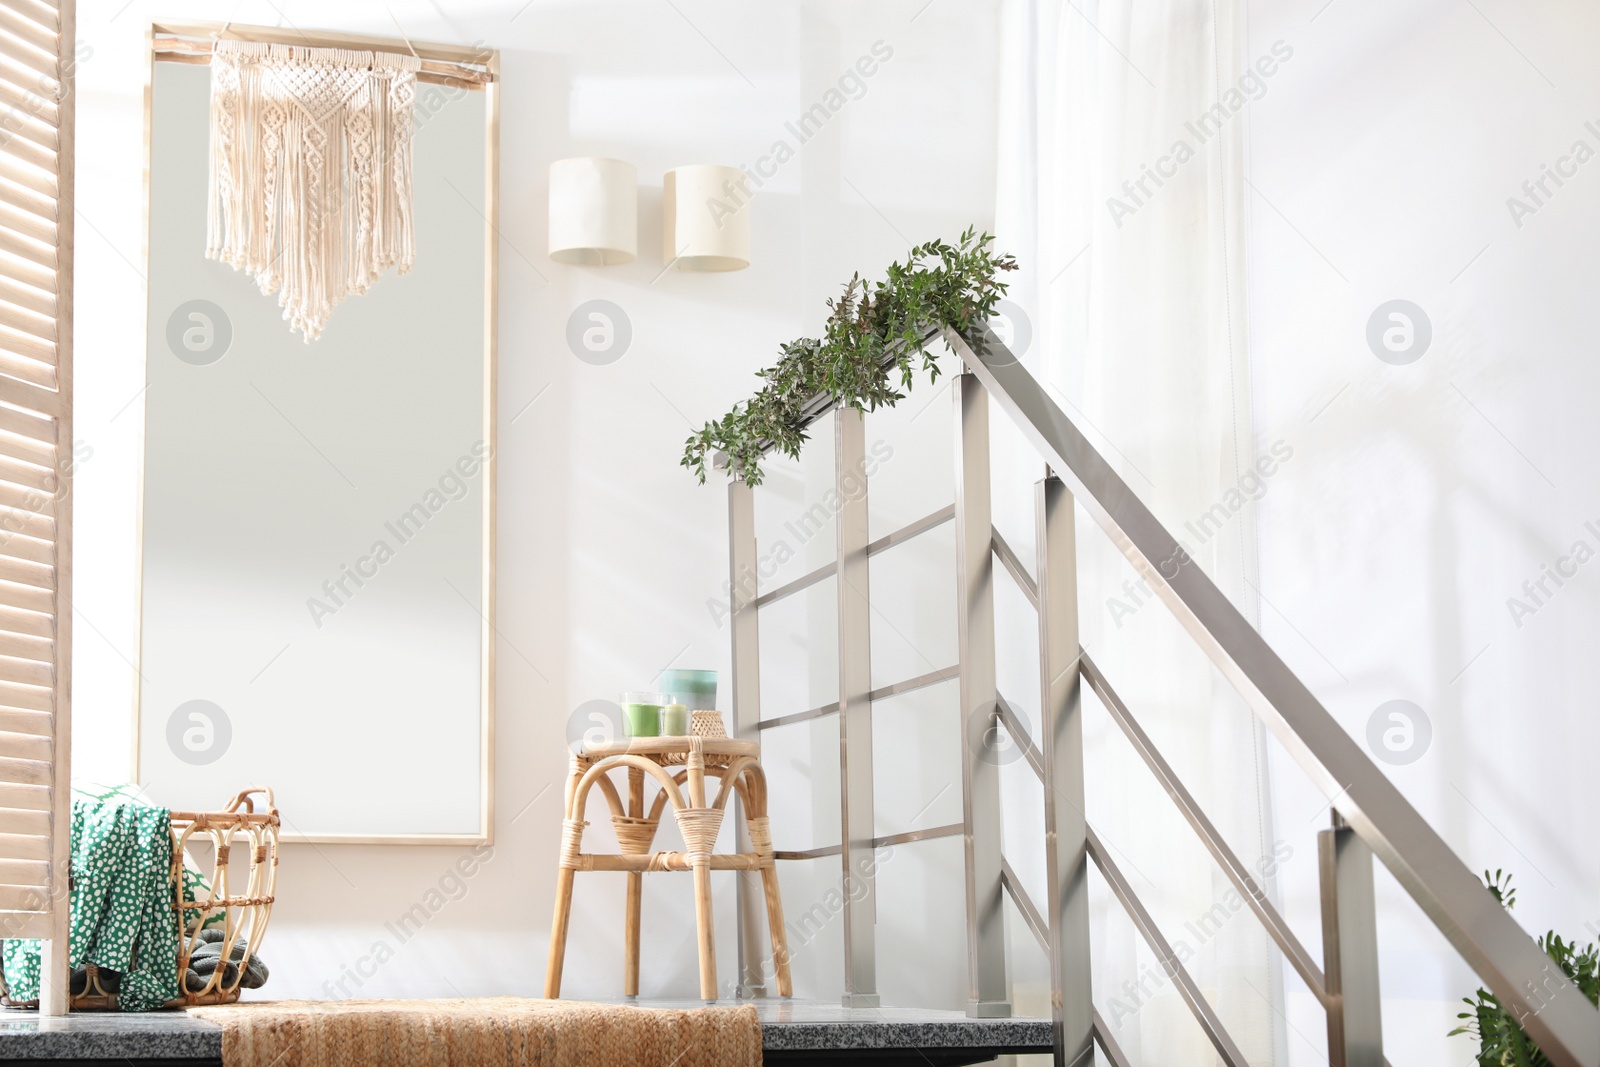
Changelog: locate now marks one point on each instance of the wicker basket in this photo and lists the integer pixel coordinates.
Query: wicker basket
(243, 916)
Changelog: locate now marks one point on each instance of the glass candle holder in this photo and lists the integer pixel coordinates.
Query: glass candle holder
(696, 689)
(674, 719)
(642, 712)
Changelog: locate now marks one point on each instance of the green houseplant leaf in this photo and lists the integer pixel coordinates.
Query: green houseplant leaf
(1501, 1042)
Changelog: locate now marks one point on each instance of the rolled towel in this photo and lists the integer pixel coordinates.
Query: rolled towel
(214, 948)
(255, 974)
(205, 966)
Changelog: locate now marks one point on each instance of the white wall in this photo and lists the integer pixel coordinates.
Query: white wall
(1421, 497)
(608, 550)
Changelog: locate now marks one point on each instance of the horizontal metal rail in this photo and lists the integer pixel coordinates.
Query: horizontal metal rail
(1557, 1016)
(912, 529)
(805, 581)
(1024, 580)
(932, 833)
(893, 689)
(1226, 858)
(1170, 963)
(889, 540)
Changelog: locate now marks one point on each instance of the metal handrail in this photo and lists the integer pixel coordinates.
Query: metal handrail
(1554, 1012)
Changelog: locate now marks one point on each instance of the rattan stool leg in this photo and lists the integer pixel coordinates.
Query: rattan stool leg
(780, 940)
(630, 963)
(630, 947)
(703, 920)
(558, 933)
(702, 882)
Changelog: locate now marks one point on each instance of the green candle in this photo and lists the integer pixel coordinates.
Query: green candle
(643, 714)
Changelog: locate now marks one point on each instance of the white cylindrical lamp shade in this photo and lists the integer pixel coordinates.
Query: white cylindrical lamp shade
(594, 211)
(705, 223)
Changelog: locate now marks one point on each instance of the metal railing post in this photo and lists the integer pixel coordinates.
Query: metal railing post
(1350, 949)
(746, 694)
(1061, 737)
(857, 826)
(980, 769)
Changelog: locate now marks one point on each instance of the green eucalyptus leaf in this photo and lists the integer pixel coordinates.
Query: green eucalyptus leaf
(874, 334)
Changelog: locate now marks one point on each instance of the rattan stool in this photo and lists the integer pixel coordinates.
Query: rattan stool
(673, 762)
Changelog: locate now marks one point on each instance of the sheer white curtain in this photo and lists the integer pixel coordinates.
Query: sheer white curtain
(1121, 191)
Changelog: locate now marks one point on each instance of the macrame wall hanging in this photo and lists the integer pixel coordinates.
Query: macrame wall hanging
(310, 171)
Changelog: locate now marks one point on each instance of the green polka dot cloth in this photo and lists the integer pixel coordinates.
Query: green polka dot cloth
(122, 910)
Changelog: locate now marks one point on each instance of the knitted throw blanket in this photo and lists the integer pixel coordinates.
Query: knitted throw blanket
(310, 179)
(498, 1032)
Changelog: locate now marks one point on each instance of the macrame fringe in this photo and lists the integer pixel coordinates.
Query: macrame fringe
(310, 183)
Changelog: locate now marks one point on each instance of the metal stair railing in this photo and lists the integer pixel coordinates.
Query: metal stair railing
(1370, 816)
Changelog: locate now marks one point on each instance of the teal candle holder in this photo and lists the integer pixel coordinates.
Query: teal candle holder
(697, 690)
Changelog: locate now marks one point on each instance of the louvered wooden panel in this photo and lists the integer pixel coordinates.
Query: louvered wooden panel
(36, 232)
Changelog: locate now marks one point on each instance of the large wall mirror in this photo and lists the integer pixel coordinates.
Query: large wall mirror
(317, 571)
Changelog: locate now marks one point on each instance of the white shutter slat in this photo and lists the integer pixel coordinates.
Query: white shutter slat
(29, 323)
(32, 924)
(21, 197)
(37, 113)
(28, 772)
(25, 846)
(21, 523)
(25, 499)
(25, 573)
(28, 598)
(17, 25)
(28, 225)
(41, 109)
(15, 444)
(20, 546)
(25, 269)
(25, 698)
(23, 872)
(28, 623)
(26, 369)
(22, 897)
(25, 672)
(24, 722)
(46, 14)
(32, 797)
(30, 178)
(26, 247)
(14, 49)
(27, 424)
(26, 474)
(27, 148)
(28, 747)
(30, 396)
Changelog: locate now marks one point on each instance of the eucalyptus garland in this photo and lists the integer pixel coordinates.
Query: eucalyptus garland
(875, 333)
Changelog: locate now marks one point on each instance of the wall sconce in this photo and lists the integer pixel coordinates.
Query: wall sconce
(594, 211)
(705, 223)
